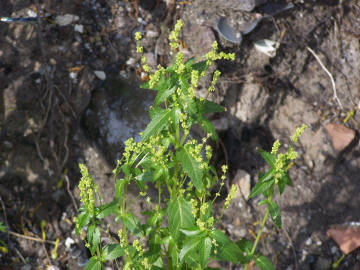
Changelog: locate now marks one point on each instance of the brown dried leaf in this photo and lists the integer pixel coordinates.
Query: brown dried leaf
(347, 238)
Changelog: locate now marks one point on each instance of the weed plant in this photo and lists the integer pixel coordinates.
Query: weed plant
(180, 231)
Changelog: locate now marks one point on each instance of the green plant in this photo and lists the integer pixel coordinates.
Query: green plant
(180, 231)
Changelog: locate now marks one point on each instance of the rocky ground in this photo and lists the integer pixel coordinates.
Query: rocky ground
(69, 94)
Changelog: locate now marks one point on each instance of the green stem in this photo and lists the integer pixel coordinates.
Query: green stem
(258, 236)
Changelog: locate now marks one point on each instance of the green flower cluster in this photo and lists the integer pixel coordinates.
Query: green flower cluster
(88, 188)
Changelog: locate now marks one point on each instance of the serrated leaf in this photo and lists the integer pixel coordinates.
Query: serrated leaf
(207, 106)
(275, 214)
(157, 124)
(132, 223)
(227, 250)
(246, 246)
(190, 166)
(162, 95)
(267, 176)
(204, 250)
(179, 215)
(113, 251)
(268, 157)
(209, 128)
(190, 246)
(93, 264)
(83, 219)
(199, 66)
(93, 237)
(264, 263)
(260, 187)
(107, 209)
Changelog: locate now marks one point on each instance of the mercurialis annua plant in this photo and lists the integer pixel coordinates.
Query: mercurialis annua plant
(181, 228)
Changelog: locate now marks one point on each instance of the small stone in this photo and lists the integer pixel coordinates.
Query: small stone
(334, 250)
(341, 136)
(68, 243)
(242, 182)
(131, 61)
(79, 28)
(66, 19)
(308, 241)
(100, 74)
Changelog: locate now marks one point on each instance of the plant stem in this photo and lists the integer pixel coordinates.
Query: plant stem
(258, 236)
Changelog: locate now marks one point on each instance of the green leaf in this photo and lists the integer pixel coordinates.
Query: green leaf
(204, 250)
(283, 182)
(162, 95)
(207, 106)
(191, 231)
(260, 187)
(209, 128)
(267, 176)
(93, 264)
(113, 251)
(107, 209)
(179, 215)
(264, 263)
(157, 124)
(199, 66)
(227, 250)
(190, 246)
(268, 157)
(275, 214)
(83, 219)
(3, 228)
(132, 223)
(246, 246)
(119, 188)
(190, 166)
(93, 237)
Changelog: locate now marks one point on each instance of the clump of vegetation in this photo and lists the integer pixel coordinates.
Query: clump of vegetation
(181, 230)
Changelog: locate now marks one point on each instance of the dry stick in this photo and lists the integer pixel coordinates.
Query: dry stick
(328, 73)
(31, 238)
(70, 193)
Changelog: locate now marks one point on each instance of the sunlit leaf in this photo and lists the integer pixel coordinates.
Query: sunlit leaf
(190, 166)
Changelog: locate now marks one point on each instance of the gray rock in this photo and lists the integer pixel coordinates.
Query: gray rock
(242, 182)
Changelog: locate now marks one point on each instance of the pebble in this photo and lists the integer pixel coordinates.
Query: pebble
(66, 19)
(26, 267)
(69, 242)
(79, 28)
(100, 74)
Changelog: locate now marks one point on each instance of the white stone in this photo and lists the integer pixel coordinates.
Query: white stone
(66, 19)
(267, 47)
(68, 242)
(79, 28)
(100, 74)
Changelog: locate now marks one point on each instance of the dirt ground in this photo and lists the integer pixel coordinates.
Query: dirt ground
(69, 93)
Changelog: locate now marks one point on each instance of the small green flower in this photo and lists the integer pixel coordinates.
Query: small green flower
(87, 188)
(295, 137)
(137, 36)
(275, 147)
(230, 196)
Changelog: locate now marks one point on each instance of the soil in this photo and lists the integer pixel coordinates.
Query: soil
(65, 99)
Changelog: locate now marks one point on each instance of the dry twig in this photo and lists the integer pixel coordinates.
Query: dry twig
(31, 238)
(328, 73)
